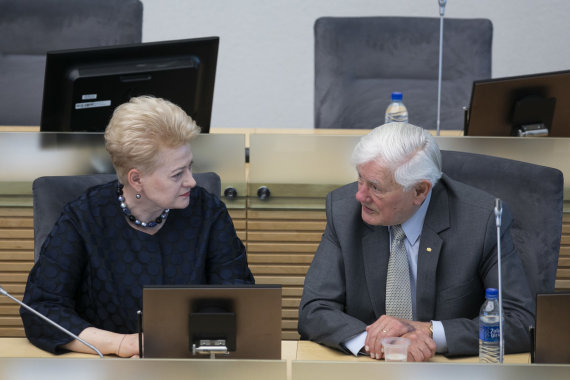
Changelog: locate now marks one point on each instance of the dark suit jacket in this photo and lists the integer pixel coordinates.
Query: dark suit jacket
(457, 260)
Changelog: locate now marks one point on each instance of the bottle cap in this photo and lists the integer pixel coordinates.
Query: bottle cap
(491, 293)
(396, 96)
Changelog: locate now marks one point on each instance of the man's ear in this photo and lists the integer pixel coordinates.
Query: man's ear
(421, 190)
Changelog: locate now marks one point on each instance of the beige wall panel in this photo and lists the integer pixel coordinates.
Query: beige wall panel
(16, 222)
(279, 270)
(290, 247)
(16, 266)
(284, 236)
(16, 233)
(17, 255)
(288, 225)
(271, 258)
(12, 332)
(16, 244)
(283, 280)
(285, 214)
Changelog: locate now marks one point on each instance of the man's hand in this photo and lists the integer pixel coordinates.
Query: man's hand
(385, 326)
(422, 347)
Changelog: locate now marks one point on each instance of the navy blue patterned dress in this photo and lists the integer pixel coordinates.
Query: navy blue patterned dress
(93, 265)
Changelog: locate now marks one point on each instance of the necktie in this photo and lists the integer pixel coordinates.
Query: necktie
(398, 293)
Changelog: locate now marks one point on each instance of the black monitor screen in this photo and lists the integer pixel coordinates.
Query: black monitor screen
(83, 86)
(507, 106)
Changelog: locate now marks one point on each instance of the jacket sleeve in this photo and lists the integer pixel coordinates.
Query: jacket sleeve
(322, 316)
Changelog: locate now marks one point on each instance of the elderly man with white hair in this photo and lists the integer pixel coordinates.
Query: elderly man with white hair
(408, 251)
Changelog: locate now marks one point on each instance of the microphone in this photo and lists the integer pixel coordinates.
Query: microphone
(498, 211)
(441, 13)
(442, 7)
(4, 292)
(498, 216)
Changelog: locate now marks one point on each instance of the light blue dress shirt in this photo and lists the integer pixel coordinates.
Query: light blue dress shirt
(413, 230)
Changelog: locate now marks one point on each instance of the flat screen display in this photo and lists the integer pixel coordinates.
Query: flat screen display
(82, 87)
(501, 106)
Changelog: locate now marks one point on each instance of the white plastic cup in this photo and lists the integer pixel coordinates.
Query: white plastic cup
(395, 349)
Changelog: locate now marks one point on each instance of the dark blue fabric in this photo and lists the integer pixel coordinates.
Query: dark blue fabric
(93, 265)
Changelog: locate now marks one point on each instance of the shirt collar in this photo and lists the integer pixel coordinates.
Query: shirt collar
(413, 226)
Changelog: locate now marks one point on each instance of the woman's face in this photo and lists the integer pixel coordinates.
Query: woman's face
(170, 183)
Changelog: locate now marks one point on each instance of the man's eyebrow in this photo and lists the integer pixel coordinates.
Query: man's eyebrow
(372, 181)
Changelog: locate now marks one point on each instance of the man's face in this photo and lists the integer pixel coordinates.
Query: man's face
(384, 203)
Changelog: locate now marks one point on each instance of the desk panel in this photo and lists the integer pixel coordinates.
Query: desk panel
(141, 369)
(307, 350)
(311, 370)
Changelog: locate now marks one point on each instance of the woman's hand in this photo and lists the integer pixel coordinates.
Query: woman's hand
(109, 343)
(128, 346)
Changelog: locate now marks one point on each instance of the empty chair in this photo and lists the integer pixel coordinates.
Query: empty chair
(534, 195)
(30, 28)
(360, 61)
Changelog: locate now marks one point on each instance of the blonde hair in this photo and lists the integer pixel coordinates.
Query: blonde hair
(409, 151)
(140, 128)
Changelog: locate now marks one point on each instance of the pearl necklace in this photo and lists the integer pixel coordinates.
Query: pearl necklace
(132, 218)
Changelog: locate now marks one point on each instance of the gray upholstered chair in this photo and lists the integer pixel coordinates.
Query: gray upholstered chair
(360, 61)
(51, 193)
(30, 28)
(534, 195)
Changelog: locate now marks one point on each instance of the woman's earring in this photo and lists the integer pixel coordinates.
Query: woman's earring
(138, 196)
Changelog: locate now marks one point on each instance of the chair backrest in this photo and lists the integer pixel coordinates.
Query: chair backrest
(30, 28)
(360, 61)
(534, 195)
(52, 193)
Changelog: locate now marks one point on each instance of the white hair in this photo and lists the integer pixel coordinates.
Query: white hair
(410, 152)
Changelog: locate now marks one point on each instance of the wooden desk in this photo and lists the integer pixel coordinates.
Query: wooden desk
(301, 360)
(290, 350)
(316, 361)
(312, 351)
(22, 348)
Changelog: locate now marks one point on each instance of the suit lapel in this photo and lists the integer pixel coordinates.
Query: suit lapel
(376, 252)
(436, 220)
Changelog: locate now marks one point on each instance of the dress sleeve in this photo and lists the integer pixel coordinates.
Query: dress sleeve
(227, 259)
(52, 285)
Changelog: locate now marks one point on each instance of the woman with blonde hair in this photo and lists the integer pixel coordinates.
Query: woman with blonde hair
(152, 226)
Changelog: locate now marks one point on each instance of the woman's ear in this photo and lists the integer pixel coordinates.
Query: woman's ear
(134, 178)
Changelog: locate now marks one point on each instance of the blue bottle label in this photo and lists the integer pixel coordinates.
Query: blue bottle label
(489, 334)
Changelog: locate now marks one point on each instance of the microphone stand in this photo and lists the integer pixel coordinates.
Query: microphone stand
(441, 13)
(498, 215)
(2, 291)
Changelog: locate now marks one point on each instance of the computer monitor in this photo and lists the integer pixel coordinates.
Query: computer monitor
(529, 105)
(194, 321)
(82, 87)
(551, 342)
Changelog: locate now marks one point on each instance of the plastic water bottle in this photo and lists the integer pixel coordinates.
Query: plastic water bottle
(396, 111)
(489, 332)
